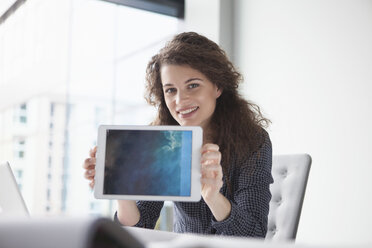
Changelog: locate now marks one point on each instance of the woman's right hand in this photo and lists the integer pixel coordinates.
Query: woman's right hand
(132, 214)
(90, 166)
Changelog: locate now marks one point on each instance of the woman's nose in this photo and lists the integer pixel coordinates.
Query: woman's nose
(181, 96)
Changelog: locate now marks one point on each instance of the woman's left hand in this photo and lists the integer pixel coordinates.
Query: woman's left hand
(211, 172)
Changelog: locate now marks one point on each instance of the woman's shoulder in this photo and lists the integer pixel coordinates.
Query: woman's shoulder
(261, 155)
(266, 141)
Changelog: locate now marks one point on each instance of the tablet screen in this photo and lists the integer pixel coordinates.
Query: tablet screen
(148, 162)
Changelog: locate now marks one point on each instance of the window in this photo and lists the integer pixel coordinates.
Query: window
(52, 109)
(49, 161)
(18, 176)
(19, 149)
(21, 114)
(48, 195)
(77, 77)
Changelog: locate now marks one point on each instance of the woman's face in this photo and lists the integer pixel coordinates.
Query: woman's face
(189, 95)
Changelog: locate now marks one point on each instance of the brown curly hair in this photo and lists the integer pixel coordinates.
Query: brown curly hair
(236, 124)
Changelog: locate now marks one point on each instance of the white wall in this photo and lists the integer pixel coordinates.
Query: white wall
(212, 18)
(308, 64)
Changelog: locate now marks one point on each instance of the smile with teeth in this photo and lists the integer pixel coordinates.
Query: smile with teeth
(187, 111)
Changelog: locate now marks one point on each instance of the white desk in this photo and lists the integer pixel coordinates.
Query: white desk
(85, 233)
(149, 236)
(162, 239)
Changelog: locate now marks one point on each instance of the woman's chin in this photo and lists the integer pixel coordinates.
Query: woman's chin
(188, 123)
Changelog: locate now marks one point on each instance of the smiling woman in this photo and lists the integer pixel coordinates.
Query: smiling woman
(191, 82)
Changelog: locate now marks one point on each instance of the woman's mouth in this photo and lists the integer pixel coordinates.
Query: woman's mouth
(187, 112)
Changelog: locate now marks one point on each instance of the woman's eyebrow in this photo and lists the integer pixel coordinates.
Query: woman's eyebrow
(187, 81)
(192, 79)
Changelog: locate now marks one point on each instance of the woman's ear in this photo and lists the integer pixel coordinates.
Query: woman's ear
(218, 92)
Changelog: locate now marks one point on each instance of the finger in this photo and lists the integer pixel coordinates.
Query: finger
(211, 167)
(93, 151)
(89, 178)
(209, 147)
(211, 155)
(212, 174)
(89, 174)
(89, 163)
(91, 184)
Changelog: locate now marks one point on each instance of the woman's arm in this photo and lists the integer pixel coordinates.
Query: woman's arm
(138, 214)
(251, 197)
(212, 182)
(128, 213)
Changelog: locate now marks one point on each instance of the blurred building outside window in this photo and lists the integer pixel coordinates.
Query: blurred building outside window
(19, 149)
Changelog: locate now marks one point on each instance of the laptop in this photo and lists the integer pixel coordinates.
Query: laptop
(11, 200)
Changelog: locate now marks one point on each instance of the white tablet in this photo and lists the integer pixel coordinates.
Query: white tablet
(160, 163)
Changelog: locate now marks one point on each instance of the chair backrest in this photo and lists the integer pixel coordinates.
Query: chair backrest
(290, 173)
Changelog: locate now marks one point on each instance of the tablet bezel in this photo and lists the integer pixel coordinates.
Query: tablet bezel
(197, 140)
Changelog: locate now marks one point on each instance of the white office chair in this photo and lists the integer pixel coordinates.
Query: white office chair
(290, 173)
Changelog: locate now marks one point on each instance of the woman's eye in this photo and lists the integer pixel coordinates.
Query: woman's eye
(170, 90)
(191, 86)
